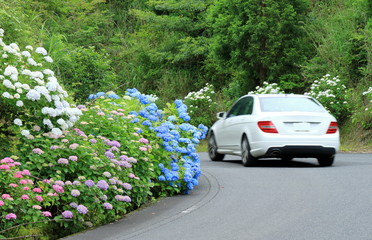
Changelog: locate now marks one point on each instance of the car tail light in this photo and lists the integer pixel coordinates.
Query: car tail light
(267, 126)
(333, 126)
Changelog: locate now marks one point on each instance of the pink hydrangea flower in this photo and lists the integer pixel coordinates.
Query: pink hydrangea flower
(1, 203)
(73, 158)
(13, 185)
(23, 181)
(37, 190)
(37, 151)
(10, 216)
(38, 207)
(74, 146)
(46, 214)
(58, 188)
(39, 198)
(6, 196)
(67, 214)
(17, 175)
(6, 160)
(26, 188)
(25, 197)
(143, 149)
(143, 140)
(4, 167)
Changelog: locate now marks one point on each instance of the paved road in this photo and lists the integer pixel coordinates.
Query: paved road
(273, 201)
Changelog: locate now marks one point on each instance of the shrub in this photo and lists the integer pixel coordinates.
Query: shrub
(202, 105)
(267, 88)
(30, 93)
(86, 70)
(331, 92)
(362, 109)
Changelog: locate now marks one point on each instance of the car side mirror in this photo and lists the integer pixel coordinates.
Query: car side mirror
(221, 115)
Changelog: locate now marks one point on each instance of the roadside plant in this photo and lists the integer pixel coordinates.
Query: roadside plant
(362, 111)
(267, 88)
(171, 158)
(30, 93)
(331, 93)
(24, 199)
(202, 105)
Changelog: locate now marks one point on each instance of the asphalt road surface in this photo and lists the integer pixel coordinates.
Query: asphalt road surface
(274, 201)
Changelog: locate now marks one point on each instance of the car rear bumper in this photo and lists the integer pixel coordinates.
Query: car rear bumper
(300, 151)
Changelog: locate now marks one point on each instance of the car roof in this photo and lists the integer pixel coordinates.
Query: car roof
(278, 95)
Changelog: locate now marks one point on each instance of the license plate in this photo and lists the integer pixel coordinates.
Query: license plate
(302, 126)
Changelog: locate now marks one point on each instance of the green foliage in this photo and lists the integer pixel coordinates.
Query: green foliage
(255, 41)
(339, 32)
(85, 70)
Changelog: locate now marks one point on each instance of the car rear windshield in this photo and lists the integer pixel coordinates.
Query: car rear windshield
(289, 104)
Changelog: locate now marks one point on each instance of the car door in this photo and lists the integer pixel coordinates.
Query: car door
(233, 125)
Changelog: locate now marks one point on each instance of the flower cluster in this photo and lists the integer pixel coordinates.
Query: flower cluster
(202, 105)
(168, 127)
(267, 88)
(33, 91)
(21, 196)
(330, 91)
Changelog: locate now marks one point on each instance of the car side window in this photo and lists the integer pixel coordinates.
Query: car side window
(248, 106)
(242, 107)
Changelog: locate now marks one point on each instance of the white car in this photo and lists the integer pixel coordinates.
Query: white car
(275, 126)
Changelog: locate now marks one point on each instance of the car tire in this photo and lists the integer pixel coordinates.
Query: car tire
(247, 159)
(212, 149)
(326, 161)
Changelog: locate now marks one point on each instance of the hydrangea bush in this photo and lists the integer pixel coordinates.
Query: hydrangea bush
(331, 92)
(202, 105)
(122, 152)
(267, 88)
(30, 93)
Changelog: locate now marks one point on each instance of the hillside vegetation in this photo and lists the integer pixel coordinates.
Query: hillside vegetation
(103, 102)
(170, 48)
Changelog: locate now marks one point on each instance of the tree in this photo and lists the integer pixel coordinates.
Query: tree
(254, 41)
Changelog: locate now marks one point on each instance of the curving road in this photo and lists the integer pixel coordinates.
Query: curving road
(276, 200)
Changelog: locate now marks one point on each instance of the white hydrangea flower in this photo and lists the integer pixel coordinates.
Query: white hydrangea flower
(19, 103)
(29, 48)
(32, 62)
(17, 121)
(57, 131)
(48, 72)
(33, 95)
(48, 59)
(26, 54)
(14, 46)
(8, 49)
(26, 86)
(52, 86)
(61, 121)
(41, 50)
(25, 133)
(1, 32)
(8, 84)
(7, 95)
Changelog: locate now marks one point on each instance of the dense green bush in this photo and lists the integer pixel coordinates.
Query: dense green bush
(84, 70)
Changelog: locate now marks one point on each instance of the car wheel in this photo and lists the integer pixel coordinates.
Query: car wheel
(212, 149)
(326, 161)
(247, 159)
